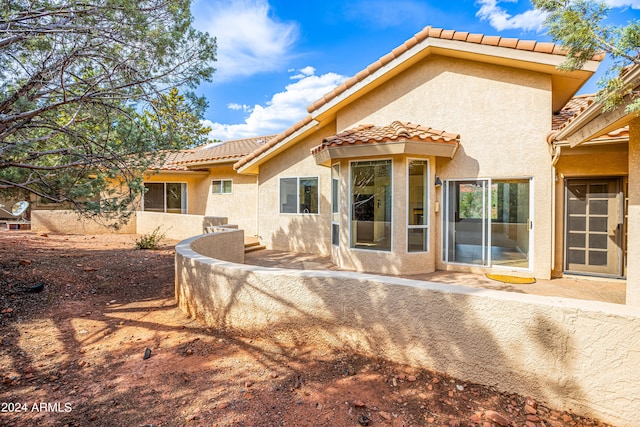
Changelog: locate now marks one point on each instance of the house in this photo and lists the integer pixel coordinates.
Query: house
(203, 181)
(433, 157)
(455, 151)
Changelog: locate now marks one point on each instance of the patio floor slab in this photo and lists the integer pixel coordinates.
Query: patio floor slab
(576, 287)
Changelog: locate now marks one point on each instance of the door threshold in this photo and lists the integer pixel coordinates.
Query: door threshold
(593, 277)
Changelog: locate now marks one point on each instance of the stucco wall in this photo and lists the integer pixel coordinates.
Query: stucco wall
(633, 263)
(69, 222)
(502, 115)
(575, 355)
(224, 245)
(306, 233)
(174, 226)
(240, 206)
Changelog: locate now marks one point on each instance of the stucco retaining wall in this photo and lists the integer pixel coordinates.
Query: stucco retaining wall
(574, 355)
(224, 245)
(69, 222)
(175, 226)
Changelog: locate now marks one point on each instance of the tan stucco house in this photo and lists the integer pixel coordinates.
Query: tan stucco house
(455, 151)
(433, 157)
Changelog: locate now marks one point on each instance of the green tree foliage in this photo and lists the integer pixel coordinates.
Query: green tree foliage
(581, 26)
(88, 95)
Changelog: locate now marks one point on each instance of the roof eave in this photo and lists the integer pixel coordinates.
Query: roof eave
(154, 172)
(252, 166)
(216, 162)
(523, 59)
(407, 147)
(593, 122)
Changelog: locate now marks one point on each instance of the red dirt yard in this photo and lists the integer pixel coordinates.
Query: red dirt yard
(73, 355)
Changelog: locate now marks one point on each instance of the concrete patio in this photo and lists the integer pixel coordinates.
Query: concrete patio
(574, 287)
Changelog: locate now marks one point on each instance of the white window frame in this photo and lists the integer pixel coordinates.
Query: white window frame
(222, 181)
(335, 207)
(297, 178)
(426, 209)
(350, 201)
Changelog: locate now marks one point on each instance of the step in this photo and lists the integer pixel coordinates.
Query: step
(253, 248)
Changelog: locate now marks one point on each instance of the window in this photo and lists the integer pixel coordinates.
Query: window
(168, 197)
(418, 206)
(299, 195)
(335, 204)
(371, 205)
(221, 186)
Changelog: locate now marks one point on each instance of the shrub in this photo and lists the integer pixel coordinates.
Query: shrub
(150, 240)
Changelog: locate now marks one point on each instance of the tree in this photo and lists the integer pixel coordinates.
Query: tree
(89, 98)
(581, 26)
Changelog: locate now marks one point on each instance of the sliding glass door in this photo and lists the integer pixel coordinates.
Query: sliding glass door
(466, 239)
(487, 222)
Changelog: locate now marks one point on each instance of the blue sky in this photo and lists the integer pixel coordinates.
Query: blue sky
(275, 57)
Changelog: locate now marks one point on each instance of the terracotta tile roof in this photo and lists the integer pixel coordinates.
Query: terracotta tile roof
(172, 159)
(575, 106)
(396, 131)
(427, 32)
(572, 110)
(439, 33)
(273, 142)
(229, 150)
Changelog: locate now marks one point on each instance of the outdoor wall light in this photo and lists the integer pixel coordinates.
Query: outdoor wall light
(438, 182)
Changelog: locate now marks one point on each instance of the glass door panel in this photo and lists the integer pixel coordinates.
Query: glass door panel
(466, 238)
(487, 222)
(510, 223)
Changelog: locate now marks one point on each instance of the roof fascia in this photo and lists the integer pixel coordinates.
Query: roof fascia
(593, 122)
(156, 172)
(211, 162)
(425, 149)
(253, 166)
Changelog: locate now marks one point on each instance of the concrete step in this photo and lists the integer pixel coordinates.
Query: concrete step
(253, 248)
(252, 244)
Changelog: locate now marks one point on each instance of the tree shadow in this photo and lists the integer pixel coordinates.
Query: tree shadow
(466, 332)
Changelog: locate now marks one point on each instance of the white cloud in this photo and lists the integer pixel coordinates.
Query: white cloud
(239, 107)
(532, 19)
(634, 4)
(250, 40)
(499, 19)
(303, 72)
(283, 110)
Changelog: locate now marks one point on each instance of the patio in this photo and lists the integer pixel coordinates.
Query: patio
(574, 287)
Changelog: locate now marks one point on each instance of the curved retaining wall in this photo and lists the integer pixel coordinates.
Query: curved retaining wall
(575, 355)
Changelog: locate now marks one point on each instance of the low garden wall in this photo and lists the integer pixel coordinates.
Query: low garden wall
(66, 221)
(174, 226)
(580, 356)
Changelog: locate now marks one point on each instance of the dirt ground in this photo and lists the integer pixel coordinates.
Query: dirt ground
(73, 354)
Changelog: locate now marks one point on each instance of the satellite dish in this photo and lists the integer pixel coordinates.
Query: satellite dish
(19, 208)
